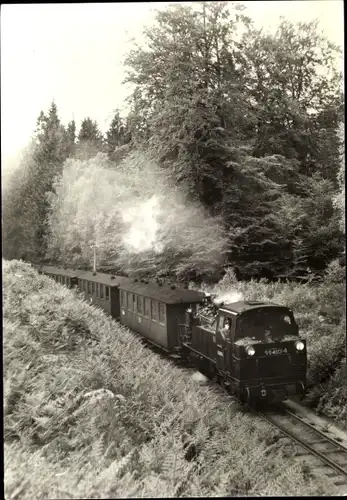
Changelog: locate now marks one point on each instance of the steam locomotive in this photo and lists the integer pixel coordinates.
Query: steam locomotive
(253, 348)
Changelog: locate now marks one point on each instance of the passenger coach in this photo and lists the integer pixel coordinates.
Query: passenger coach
(67, 277)
(156, 311)
(102, 290)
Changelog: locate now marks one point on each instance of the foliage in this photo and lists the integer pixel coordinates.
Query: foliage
(26, 206)
(246, 126)
(101, 417)
(296, 88)
(339, 199)
(330, 397)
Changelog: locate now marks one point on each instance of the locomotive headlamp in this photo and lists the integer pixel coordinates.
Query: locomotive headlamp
(300, 346)
(189, 310)
(250, 350)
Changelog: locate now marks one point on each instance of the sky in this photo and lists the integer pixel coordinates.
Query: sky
(74, 52)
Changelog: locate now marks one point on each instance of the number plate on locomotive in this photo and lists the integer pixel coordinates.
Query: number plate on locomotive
(275, 351)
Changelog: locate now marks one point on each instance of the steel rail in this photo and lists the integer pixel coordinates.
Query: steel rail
(317, 431)
(320, 455)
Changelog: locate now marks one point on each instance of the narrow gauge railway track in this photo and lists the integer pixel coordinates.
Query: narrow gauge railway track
(331, 456)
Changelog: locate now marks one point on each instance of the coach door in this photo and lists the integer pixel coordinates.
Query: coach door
(221, 340)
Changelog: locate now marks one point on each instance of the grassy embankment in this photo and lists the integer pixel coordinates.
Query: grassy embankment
(91, 413)
(320, 312)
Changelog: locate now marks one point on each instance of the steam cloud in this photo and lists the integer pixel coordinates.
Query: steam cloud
(229, 297)
(140, 220)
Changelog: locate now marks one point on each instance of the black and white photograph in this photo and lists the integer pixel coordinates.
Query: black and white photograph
(173, 249)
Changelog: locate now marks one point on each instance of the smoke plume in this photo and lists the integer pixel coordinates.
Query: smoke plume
(141, 221)
(228, 297)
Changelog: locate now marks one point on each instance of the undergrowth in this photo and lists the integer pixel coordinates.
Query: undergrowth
(91, 413)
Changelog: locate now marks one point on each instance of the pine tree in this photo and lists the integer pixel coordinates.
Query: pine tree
(71, 136)
(117, 136)
(90, 139)
(28, 208)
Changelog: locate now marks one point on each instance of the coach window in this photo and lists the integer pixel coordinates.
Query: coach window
(89, 287)
(134, 303)
(139, 304)
(93, 288)
(102, 293)
(146, 307)
(107, 293)
(154, 310)
(130, 301)
(162, 315)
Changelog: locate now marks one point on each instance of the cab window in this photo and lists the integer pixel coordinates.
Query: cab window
(107, 293)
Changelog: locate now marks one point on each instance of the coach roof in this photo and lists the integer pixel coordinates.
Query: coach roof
(163, 293)
(103, 278)
(71, 273)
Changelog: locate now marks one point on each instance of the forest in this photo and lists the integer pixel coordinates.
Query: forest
(231, 155)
